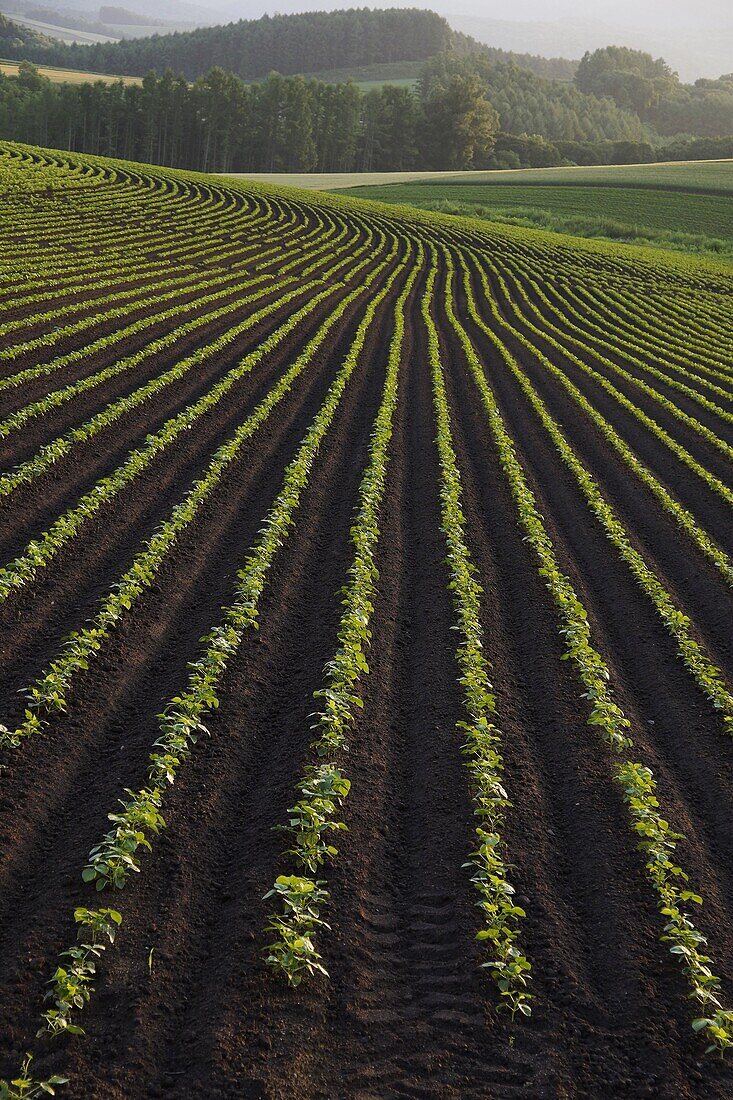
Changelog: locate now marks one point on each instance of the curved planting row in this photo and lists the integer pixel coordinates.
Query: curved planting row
(552, 336)
(508, 966)
(708, 677)
(49, 693)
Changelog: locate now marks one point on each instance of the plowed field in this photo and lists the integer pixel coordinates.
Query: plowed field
(410, 536)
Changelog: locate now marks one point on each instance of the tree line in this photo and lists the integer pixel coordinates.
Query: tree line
(219, 123)
(290, 124)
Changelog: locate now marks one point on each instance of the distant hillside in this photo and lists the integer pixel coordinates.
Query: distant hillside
(286, 43)
(18, 41)
(553, 68)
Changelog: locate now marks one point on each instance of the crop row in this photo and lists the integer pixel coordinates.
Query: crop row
(529, 300)
(708, 677)
(657, 839)
(36, 553)
(51, 452)
(88, 250)
(508, 966)
(57, 398)
(162, 287)
(614, 311)
(552, 335)
(213, 295)
(563, 307)
(323, 787)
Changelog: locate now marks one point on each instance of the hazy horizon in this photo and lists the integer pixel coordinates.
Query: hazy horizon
(711, 14)
(697, 41)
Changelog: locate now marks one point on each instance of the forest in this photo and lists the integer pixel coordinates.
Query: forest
(288, 44)
(281, 123)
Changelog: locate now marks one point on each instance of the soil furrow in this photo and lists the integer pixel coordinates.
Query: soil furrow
(707, 507)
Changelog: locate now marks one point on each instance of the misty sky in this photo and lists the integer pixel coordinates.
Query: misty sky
(662, 13)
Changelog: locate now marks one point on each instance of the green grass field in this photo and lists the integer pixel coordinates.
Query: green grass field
(686, 175)
(710, 215)
(684, 206)
(68, 76)
(709, 176)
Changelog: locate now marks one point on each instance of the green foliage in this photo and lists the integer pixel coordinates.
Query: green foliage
(322, 790)
(460, 123)
(632, 78)
(25, 1087)
(636, 81)
(253, 48)
(293, 953)
(528, 104)
(203, 115)
(72, 981)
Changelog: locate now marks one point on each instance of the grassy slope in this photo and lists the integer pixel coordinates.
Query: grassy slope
(340, 181)
(711, 215)
(688, 175)
(714, 176)
(63, 34)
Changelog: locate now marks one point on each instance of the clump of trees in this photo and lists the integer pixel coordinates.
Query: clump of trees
(529, 104)
(18, 41)
(636, 81)
(631, 78)
(459, 124)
